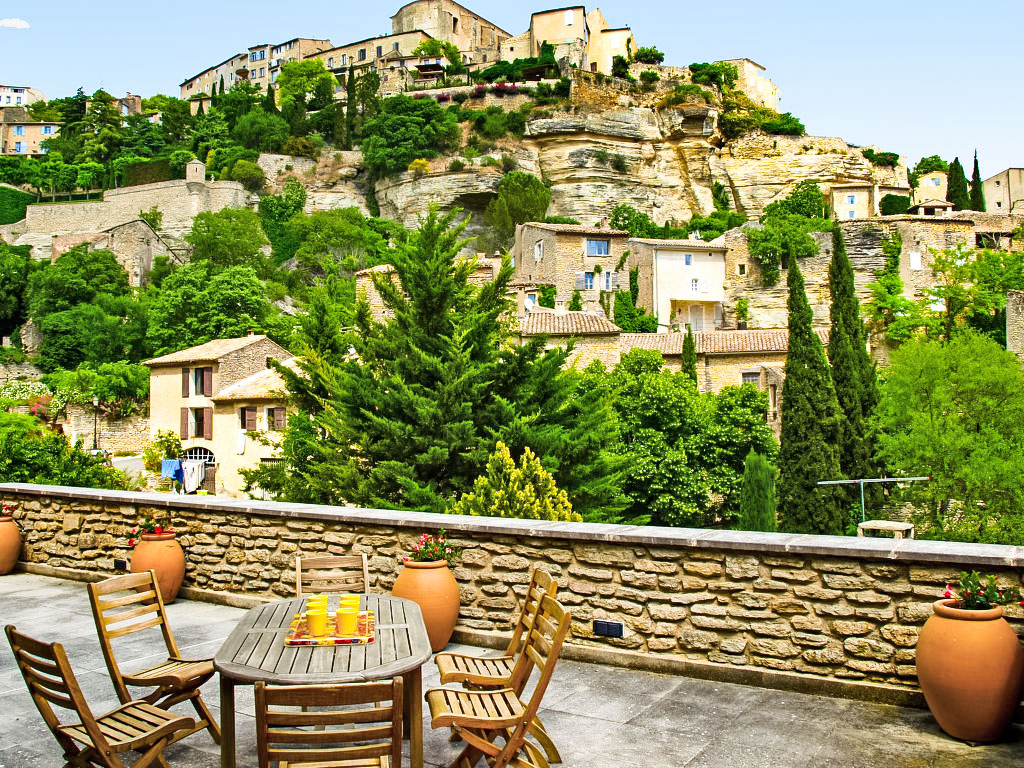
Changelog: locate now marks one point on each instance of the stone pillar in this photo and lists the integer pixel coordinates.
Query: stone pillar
(1015, 322)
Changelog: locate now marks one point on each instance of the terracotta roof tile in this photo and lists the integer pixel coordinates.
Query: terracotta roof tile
(210, 351)
(567, 324)
(577, 229)
(262, 385)
(715, 342)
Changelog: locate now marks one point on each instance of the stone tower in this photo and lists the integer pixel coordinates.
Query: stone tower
(1015, 322)
(195, 170)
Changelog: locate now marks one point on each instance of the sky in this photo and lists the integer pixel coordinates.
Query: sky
(917, 78)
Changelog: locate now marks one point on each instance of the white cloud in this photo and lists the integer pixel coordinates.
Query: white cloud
(14, 23)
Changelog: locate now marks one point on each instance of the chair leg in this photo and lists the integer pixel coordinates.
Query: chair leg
(538, 732)
(204, 714)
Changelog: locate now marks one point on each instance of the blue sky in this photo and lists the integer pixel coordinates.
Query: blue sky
(914, 77)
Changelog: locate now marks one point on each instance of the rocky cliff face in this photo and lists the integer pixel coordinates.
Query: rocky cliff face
(661, 162)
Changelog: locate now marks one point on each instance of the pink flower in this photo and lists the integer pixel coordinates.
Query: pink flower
(131, 542)
(159, 529)
(948, 592)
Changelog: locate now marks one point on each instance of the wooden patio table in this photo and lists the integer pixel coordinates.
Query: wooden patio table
(255, 651)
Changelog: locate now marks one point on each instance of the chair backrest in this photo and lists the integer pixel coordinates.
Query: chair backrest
(541, 583)
(51, 682)
(123, 605)
(359, 721)
(331, 573)
(543, 646)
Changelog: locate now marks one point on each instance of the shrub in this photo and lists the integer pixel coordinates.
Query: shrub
(720, 74)
(686, 93)
(460, 97)
(300, 146)
(648, 55)
(148, 172)
(884, 159)
(13, 203)
(489, 162)
(563, 88)
(456, 165)
(619, 163)
(154, 217)
(894, 205)
(419, 167)
(508, 163)
(249, 175)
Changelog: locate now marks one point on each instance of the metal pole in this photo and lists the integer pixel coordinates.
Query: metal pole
(863, 516)
(95, 415)
(862, 480)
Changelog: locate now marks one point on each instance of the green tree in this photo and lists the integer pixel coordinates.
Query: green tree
(955, 412)
(275, 213)
(298, 80)
(521, 197)
(576, 302)
(103, 330)
(31, 454)
(196, 304)
(505, 490)
(757, 495)
(342, 237)
(853, 372)
(270, 102)
(77, 276)
(649, 55)
(894, 205)
(927, 165)
(249, 175)
(243, 98)
(16, 267)
(890, 314)
(689, 356)
(100, 129)
(977, 190)
(409, 419)
(404, 130)
(209, 132)
(810, 426)
(806, 200)
(227, 238)
(261, 130)
(956, 189)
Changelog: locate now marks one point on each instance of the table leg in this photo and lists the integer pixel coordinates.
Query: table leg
(412, 716)
(227, 722)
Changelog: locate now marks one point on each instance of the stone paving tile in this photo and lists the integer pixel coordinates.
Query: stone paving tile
(600, 717)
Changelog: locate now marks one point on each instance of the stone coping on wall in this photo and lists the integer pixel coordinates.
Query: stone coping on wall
(944, 553)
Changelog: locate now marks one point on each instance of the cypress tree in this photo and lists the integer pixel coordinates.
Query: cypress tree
(690, 356)
(757, 495)
(977, 192)
(956, 188)
(222, 85)
(269, 104)
(810, 426)
(853, 372)
(200, 110)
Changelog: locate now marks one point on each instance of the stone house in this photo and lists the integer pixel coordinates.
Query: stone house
(860, 200)
(260, 65)
(21, 135)
(682, 282)
(478, 40)
(1004, 192)
(584, 39)
(136, 245)
(249, 418)
(390, 56)
(19, 95)
(752, 80)
(183, 388)
(931, 186)
(594, 336)
(571, 257)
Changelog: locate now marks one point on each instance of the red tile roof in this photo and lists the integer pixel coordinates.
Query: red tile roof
(567, 324)
(716, 342)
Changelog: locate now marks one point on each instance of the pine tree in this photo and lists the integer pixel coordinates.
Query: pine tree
(977, 191)
(853, 372)
(956, 187)
(689, 362)
(810, 426)
(757, 495)
(269, 104)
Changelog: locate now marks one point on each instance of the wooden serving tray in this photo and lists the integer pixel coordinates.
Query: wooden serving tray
(298, 632)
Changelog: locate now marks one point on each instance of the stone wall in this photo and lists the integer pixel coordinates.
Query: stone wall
(128, 435)
(16, 371)
(819, 613)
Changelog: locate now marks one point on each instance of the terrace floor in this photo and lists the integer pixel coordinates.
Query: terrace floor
(600, 717)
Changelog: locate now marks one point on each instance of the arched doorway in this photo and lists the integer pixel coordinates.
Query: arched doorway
(205, 455)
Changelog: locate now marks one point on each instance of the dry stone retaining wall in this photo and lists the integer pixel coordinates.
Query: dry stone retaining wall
(810, 612)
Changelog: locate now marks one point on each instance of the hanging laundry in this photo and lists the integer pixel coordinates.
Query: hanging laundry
(194, 474)
(170, 468)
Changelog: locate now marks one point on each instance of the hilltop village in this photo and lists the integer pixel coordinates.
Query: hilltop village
(637, 202)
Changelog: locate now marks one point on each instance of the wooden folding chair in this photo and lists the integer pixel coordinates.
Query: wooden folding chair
(331, 573)
(357, 725)
(485, 717)
(123, 605)
(135, 725)
(483, 672)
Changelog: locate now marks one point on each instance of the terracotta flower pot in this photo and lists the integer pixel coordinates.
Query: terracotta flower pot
(432, 586)
(162, 553)
(971, 668)
(10, 544)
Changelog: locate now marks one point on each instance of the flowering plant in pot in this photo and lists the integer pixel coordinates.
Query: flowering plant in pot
(427, 580)
(10, 538)
(969, 661)
(157, 549)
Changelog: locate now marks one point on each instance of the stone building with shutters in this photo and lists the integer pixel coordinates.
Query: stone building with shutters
(182, 389)
(571, 257)
(249, 418)
(594, 336)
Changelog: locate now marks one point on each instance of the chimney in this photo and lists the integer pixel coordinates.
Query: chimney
(561, 307)
(520, 302)
(604, 223)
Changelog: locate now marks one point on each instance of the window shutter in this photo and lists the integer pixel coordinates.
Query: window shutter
(184, 423)
(208, 382)
(185, 372)
(208, 423)
(250, 418)
(581, 283)
(279, 414)
(615, 281)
